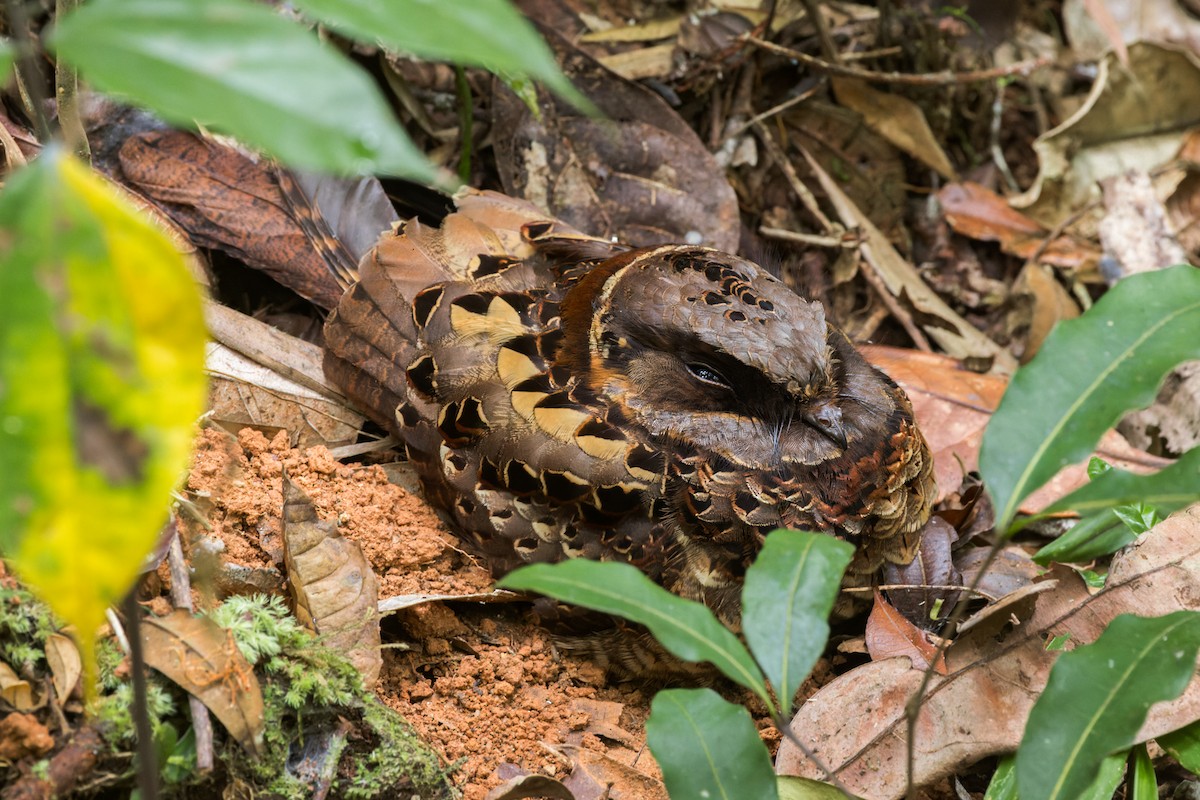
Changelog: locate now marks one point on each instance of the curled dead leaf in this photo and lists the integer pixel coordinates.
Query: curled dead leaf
(62, 656)
(203, 659)
(335, 590)
(857, 723)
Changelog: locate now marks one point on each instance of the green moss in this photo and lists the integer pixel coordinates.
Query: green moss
(308, 689)
(25, 624)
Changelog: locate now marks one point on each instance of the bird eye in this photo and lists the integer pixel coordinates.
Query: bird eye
(706, 374)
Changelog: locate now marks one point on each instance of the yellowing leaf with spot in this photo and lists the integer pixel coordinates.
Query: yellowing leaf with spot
(101, 378)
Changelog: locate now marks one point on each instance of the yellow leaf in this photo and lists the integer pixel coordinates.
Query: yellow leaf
(101, 380)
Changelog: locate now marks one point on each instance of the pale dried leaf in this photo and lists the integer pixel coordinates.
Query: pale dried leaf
(857, 725)
(889, 634)
(15, 690)
(335, 590)
(203, 659)
(62, 656)
(897, 119)
(957, 336)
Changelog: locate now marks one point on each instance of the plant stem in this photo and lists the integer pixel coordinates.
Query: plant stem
(147, 763)
(66, 90)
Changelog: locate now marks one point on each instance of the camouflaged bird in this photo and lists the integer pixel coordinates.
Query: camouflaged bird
(562, 396)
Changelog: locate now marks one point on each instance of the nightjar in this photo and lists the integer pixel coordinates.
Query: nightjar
(563, 396)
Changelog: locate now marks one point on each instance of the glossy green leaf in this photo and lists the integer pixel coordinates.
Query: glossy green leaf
(1098, 535)
(793, 788)
(240, 67)
(7, 56)
(789, 591)
(1143, 783)
(686, 628)
(708, 747)
(1097, 698)
(101, 382)
(483, 33)
(1003, 785)
(1089, 371)
(1167, 490)
(1184, 746)
(1112, 770)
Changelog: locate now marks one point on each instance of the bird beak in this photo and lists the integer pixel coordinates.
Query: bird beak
(827, 418)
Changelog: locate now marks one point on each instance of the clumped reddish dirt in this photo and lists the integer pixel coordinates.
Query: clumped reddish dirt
(476, 680)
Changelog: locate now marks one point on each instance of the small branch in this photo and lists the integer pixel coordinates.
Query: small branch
(785, 728)
(147, 763)
(181, 597)
(1021, 68)
(66, 90)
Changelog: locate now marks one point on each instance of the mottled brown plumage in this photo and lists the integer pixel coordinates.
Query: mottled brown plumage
(563, 397)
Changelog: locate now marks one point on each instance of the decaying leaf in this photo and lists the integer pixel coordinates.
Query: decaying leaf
(641, 174)
(953, 406)
(1120, 126)
(226, 201)
(15, 690)
(897, 119)
(62, 656)
(953, 333)
(995, 675)
(889, 634)
(979, 213)
(203, 658)
(335, 590)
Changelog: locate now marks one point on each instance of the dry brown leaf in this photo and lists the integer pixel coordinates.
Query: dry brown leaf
(979, 213)
(15, 690)
(1051, 303)
(954, 334)
(598, 776)
(603, 719)
(897, 119)
(62, 656)
(857, 725)
(204, 660)
(889, 634)
(641, 174)
(226, 201)
(335, 590)
(953, 405)
(530, 786)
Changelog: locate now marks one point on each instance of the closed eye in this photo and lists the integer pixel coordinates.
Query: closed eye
(706, 374)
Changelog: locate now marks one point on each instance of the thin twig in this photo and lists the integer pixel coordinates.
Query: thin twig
(781, 160)
(29, 73)
(181, 597)
(898, 311)
(943, 78)
(66, 90)
(147, 763)
(785, 727)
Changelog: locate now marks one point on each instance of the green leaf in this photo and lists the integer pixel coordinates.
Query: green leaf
(101, 382)
(1097, 698)
(1090, 538)
(708, 747)
(1167, 490)
(1003, 785)
(789, 591)
(1184, 746)
(241, 68)
(1143, 783)
(792, 788)
(483, 33)
(1088, 372)
(7, 56)
(686, 628)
